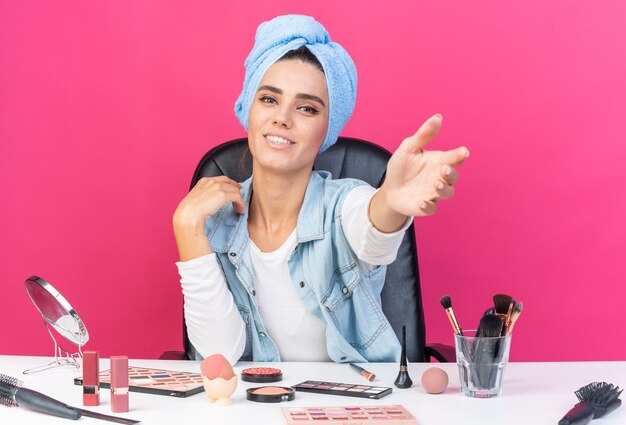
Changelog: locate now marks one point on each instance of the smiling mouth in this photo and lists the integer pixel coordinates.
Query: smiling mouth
(278, 140)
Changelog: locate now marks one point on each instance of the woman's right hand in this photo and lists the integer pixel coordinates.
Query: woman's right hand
(207, 197)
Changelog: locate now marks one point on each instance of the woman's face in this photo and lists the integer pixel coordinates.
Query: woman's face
(288, 117)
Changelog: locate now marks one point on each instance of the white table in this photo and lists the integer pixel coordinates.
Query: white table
(534, 393)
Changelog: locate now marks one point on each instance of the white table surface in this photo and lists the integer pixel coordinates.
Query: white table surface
(533, 393)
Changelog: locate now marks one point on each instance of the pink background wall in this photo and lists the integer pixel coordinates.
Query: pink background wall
(106, 107)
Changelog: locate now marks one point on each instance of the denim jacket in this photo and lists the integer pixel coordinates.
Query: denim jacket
(323, 269)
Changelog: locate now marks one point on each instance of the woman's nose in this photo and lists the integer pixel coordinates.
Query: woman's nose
(283, 116)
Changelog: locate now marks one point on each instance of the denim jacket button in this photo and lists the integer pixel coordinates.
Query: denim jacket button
(262, 334)
(342, 358)
(233, 254)
(301, 284)
(253, 292)
(344, 290)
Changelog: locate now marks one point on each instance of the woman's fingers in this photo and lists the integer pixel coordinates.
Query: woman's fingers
(455, 156)
(230, 193)
(449, 174)
(445, 191)
(426, 133)
(212, 193)
(209, 181)
(428, 207)
(237, 200)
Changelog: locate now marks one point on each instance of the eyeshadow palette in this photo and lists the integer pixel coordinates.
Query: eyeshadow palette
(391, 415)
(336, 388)
(156, 381)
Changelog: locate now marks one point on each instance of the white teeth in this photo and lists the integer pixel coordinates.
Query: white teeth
(278, 140)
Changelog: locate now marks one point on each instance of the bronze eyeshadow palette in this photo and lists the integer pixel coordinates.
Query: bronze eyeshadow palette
(336, 388)
(156, 381)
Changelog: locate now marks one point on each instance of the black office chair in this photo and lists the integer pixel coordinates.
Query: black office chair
(401, 296)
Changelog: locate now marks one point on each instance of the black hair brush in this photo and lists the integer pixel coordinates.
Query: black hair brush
(12, 394)
(596, 400)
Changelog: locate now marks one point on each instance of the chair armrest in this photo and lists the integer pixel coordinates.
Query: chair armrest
(173, 355)
(442, 353)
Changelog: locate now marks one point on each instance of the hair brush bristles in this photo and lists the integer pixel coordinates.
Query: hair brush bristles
(446, 302)
(598, 393)
(7, 385)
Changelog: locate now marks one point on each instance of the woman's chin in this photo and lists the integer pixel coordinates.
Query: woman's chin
(277, 165)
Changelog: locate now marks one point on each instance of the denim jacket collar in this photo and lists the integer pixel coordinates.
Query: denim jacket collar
(231, 232)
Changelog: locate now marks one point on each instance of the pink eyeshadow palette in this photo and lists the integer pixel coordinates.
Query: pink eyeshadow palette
(391, 415)
(156, 381)
(336, 388)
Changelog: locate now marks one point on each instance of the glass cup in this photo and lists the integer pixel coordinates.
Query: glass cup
(481, 363)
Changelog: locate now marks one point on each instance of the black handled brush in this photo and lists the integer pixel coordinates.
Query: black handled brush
(13, 394)
(596, 400)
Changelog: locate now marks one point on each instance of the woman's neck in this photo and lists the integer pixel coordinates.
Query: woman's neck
(275, 206)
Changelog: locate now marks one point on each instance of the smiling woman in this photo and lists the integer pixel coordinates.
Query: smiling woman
(285, 265)
(288, 119)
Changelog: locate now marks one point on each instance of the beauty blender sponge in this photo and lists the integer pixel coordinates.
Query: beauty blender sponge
(435, 380)
(216, 366)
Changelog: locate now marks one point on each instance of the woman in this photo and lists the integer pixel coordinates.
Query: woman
(289, 265)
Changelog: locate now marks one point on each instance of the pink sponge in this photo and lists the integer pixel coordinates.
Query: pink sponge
(216, 366)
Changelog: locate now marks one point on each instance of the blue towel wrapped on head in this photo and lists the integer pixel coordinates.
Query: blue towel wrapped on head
(284, 33)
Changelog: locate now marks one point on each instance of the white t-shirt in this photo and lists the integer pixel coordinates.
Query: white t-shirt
(298, 334)
(213, 322)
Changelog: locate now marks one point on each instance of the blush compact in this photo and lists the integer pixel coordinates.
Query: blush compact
(261, 374)
(270, 394)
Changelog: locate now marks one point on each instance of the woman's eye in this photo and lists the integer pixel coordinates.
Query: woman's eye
(267, 99)
(309, 109)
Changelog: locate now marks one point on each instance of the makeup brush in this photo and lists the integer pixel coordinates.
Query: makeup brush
(596, 400)
(517, 310)
(490, 326)
(446, 303)
(503, 304)
(364, 373)
(403, 380)
(13, 394)
(485, 350)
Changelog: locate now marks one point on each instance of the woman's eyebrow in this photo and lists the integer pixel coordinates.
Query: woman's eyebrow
(298, 96)
(311, 97)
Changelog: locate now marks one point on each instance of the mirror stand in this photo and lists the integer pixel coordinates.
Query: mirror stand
(62, 357)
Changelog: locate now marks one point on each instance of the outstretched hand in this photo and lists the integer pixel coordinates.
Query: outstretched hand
(417, 178)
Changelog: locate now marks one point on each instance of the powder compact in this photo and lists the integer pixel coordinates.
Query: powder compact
(261, 374)
(270, 394)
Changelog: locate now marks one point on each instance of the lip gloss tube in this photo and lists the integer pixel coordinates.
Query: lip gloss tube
(119, 384)
(91, 378)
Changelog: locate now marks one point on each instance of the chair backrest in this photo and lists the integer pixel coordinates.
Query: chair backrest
(348, 158)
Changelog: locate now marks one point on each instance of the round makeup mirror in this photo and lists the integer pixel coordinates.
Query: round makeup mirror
(58, 314)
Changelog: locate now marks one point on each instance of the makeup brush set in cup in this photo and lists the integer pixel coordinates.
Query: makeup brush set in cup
(483, 354)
